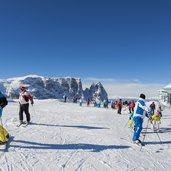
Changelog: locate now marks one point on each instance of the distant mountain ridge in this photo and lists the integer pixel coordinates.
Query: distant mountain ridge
(52, 88)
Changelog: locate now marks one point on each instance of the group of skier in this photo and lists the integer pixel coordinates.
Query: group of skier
(137, 115)
(137, 111)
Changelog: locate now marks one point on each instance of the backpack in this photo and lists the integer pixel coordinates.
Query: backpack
(3, 102)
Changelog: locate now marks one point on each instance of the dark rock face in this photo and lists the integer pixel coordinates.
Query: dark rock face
(51, 88)
(96, 91)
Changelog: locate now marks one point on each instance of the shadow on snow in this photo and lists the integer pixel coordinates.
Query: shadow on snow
(71, 126)
(163, 130)
(81, 146)
(157, 142)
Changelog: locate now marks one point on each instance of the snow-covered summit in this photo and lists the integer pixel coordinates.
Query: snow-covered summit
(47, 88)
(168, 86)
(96, 91)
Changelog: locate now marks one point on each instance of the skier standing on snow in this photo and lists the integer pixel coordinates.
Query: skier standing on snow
(153, 107)
(24, 98)
(156, 121)
(65, 98)
(4, 135)
(119, 106)
(88, 102)
(131, 106)
(140, 111)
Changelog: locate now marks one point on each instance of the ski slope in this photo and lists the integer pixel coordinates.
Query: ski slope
(67, 137)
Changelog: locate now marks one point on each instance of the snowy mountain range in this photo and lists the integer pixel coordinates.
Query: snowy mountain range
(52, 88)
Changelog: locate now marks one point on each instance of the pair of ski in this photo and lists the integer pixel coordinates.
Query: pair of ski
(140, 144)
(23, 124)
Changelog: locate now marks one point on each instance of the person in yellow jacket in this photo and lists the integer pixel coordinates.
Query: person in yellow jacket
(156, 121)
(4, 135)
(131, 120)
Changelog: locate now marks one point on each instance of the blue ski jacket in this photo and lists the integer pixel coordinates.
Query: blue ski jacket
(140, 109)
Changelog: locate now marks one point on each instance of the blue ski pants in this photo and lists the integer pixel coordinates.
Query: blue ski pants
(138, 121)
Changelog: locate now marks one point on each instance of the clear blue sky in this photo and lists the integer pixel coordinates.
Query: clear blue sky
(118, 39)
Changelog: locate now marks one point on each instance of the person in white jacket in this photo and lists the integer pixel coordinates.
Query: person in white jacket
(24, 98)
(140, 111)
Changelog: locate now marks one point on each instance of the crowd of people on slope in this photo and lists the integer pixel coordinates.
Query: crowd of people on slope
(137, 112)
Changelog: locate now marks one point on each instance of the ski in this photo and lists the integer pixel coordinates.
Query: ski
(139, 143)
(25, 125)
(130, 141)
(21, 124)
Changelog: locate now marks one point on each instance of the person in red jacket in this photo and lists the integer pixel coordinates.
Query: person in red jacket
(152, 107)
(24, 98)
(119, 106)
(132, 105)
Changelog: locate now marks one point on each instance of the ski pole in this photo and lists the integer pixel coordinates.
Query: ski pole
(3, 132)
(126, 123)
(159, 137)
(34, 110)
(145, 134)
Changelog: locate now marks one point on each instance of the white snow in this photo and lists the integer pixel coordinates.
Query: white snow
(168, 86)
(67, 137)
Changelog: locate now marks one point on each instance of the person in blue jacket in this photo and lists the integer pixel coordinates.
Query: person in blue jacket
(140, 111)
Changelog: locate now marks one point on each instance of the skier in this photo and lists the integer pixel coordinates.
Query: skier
(88, 102)
(140, 111)
(105, 103)
(131, 106)
(81, 101)
(155, 121)
(98, 102)
(119, 106)
(65, 98)
(153, 107)
(4, 135)
(24, 98)
(131, 120)
(160, 109)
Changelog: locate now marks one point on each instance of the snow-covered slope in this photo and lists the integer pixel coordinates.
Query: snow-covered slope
(67, 137)
(48, 88)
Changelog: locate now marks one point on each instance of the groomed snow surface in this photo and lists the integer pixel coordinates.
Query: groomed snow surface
(67, 137)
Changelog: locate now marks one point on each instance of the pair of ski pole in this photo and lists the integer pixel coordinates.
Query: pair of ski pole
(146, 132)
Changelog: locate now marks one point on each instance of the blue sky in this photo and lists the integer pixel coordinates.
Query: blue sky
(123, 41)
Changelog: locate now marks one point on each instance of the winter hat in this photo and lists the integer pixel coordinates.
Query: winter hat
(142, 96)
(22, 88)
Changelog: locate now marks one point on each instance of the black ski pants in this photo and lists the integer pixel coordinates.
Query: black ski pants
(119, 110)
(24, 108)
